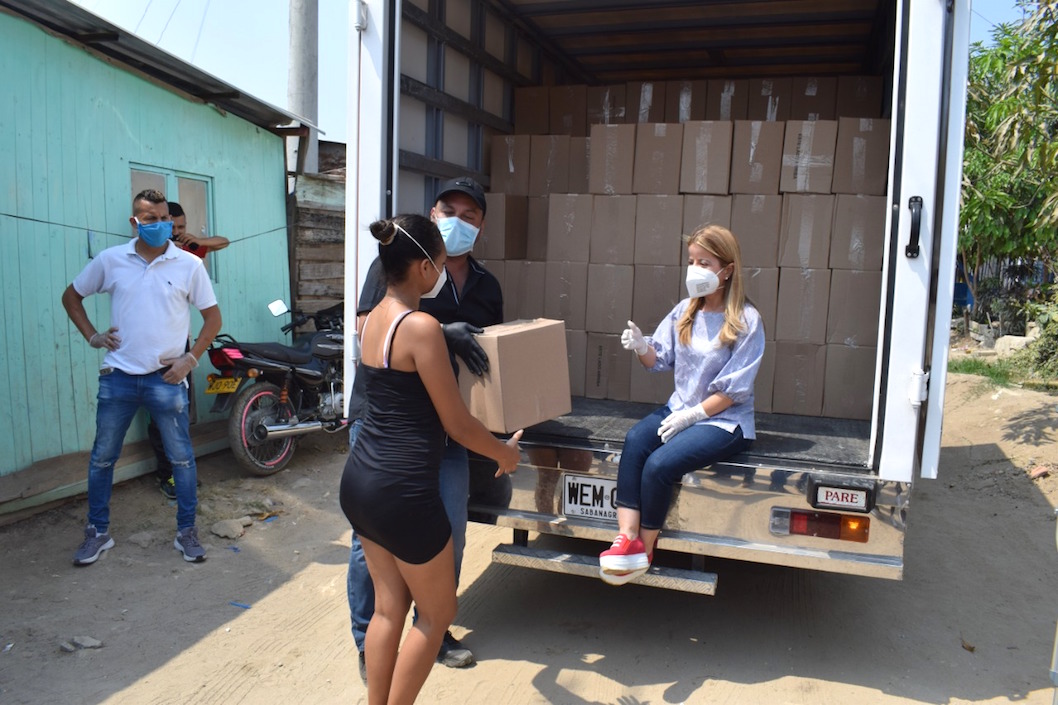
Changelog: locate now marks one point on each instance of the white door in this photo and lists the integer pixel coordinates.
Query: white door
(370, 151)
(929, 98)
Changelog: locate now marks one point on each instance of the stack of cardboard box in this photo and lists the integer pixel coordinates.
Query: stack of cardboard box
(590, 200)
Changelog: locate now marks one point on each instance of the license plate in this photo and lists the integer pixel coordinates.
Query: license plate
(589, 496)
(222, 385)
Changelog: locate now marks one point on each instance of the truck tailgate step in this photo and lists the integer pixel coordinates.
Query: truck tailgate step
(588, 566)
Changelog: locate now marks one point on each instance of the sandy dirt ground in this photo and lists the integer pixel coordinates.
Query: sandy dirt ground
(265, 619)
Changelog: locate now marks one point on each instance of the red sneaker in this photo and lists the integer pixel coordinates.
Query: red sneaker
(624, 554)
(625, 576)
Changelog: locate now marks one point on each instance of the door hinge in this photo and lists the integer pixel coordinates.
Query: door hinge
(361, 19)
(919, 390)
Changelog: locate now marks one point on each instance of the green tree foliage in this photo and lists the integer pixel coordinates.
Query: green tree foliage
(1010, 171)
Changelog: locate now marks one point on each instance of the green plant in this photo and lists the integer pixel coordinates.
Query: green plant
(998, 372)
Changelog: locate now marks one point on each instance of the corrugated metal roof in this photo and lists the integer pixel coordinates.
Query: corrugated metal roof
(604, 41)
(76, 24)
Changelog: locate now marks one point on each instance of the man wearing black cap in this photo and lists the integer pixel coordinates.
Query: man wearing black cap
(469, 301)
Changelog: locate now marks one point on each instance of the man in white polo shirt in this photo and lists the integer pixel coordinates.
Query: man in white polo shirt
(152, 285)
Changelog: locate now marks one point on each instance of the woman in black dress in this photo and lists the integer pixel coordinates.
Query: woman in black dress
(389, 489)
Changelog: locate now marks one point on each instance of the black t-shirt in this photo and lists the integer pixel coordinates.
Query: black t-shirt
(480, 305)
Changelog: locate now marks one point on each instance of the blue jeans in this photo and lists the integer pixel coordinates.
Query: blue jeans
(120, 397)
(455, 487)
(649, 469)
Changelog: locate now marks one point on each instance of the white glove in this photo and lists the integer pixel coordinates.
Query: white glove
(179, 367)
(109, 340)
(679, 420)
(632, 339)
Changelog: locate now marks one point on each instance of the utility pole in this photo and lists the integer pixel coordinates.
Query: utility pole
(303, 75)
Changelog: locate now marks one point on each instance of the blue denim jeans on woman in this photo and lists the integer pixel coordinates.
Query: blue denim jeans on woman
(649, 469)
(455, 488)
(120, 397)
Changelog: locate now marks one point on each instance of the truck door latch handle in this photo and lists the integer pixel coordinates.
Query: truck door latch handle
(915, 204)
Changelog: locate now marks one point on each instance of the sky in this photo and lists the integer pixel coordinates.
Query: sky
(245, 42)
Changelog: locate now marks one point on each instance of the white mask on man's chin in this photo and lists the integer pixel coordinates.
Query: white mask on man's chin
(441, 279)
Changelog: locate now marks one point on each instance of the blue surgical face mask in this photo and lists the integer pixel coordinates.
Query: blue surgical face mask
(154, 234)
(458, 234)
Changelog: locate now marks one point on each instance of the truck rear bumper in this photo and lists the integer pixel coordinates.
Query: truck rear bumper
(700, 582)
(729, 511)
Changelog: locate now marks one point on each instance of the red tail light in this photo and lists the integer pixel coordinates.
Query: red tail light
(224, 357)
(825, 525)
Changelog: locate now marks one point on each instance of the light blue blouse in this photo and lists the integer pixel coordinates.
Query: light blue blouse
(705, 366)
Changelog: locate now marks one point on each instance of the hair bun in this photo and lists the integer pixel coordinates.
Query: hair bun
(384, 231)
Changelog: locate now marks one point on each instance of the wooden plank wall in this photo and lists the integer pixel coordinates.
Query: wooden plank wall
(319, 240)
(70, 127)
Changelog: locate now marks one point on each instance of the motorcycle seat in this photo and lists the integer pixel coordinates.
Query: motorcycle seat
(278, 351)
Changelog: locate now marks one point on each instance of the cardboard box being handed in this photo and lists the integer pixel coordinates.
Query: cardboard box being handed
(528, 378)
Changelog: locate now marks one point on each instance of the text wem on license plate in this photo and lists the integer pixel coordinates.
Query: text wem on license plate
(587, 496)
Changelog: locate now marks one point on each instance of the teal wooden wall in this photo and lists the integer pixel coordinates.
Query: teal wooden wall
(70, 127)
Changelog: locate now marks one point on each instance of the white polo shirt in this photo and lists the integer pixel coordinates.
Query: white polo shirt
(150, 304)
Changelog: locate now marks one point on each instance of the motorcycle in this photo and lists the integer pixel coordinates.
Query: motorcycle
(277, 392)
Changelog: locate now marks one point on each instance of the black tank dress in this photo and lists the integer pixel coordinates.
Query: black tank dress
(389, 490)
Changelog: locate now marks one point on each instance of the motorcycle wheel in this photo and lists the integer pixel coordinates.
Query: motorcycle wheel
(254, 405)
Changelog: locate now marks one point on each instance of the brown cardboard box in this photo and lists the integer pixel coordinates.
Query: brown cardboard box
(613, 230)
(649, 387)
(859, 96)
(566, 292)
(607, 370)
(569, 227)
(510, 164)
(655, 293)
(538, 208)
(659, 147)
(576, 351)
(645, 101)
(727, 100)
(524, 295)
(569, 110)
(549, 165)
(504, 235)
(755, 221)
(848, 390)
(804, 236)
(527, 382)
(659, 230)
(579, 164)
(762, 386)
(808, 156)
(800, 370)
(606, 105)
(813, 98)
(858, 233)
(706, 163)
(804, 295)
(685, 100)
(761, 286)
(769, 99)
(855, 304)
(756, 156)
(861, 164)
(531, 110)
(612, 159)
(609, 297)
(706, 210)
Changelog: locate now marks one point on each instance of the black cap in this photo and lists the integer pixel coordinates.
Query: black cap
(467, 185)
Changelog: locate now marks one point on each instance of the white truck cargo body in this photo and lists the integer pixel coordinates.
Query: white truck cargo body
(430, 82)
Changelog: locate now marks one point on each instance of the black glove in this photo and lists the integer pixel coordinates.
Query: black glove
(460, 339)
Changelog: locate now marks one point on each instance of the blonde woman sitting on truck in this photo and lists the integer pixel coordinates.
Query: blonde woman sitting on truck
(713, 341)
